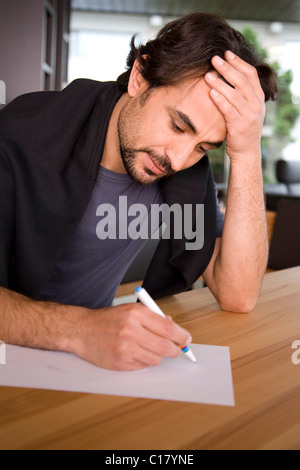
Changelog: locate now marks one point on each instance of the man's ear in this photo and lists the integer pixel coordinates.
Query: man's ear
(137, 85)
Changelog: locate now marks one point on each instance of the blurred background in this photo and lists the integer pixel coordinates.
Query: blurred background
(45, 44)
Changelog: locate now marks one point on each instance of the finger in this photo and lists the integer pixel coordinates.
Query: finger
(241, 75)
(165, 328)
(249, 70)
(189, 340)
(134, 365)
(150, 338)
(158, 346)
(146, 359)
(220, 87)
(232, 83)
(157, 351)
(241, 130)
(230, 112)
(243, 106)
(142, 361)
(140, 349)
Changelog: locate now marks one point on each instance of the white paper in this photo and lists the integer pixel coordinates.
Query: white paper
(209, 381)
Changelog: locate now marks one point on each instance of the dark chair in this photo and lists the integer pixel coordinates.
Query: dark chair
(288, 173)
(285, 244)
(288, 186)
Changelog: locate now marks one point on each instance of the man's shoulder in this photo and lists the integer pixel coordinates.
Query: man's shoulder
(38, 119)
(78, 89)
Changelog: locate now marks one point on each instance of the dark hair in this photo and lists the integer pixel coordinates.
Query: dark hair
(184, 49)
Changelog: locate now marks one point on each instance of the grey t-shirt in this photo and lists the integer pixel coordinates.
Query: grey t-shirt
(92, 268)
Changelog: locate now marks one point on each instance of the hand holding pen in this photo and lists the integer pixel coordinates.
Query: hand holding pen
(127, 337)
(146, 300)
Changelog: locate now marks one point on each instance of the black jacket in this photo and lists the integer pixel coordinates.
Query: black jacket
(51, 144)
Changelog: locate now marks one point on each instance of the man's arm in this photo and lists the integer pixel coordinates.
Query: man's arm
(239, 262)
(128, 337)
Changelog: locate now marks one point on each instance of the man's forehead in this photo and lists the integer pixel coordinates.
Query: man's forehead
(193, 97)
(190, 87)
(190, 91)
(191, 102)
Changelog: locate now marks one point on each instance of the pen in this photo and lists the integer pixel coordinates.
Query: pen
(146, 300)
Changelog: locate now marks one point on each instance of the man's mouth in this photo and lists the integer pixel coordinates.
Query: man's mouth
(154, 168)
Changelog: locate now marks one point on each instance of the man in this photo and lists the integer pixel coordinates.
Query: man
(64, 154)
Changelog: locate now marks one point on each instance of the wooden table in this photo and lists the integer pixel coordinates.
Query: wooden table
(266, 383)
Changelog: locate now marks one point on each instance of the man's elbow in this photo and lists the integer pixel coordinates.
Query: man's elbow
(240, 304)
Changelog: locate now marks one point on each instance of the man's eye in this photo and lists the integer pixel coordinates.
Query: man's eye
(177, 128)
(202, 149)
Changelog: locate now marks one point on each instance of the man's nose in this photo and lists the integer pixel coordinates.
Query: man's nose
(181, 156)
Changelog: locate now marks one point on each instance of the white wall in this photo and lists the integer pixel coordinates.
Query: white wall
(282, 46)
(99, 43)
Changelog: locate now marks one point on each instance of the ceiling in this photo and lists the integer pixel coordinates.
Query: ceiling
(256, 10)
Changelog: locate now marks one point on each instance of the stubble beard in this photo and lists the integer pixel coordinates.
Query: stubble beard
(130, 156)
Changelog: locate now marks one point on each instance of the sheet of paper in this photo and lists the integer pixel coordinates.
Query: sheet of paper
(209, 381)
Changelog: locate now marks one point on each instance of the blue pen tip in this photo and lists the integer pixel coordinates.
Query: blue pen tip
(138, 289)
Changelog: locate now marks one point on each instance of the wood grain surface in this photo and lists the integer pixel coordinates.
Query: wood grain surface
(266, 384)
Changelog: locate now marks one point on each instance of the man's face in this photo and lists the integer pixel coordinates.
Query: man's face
(168, 131)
